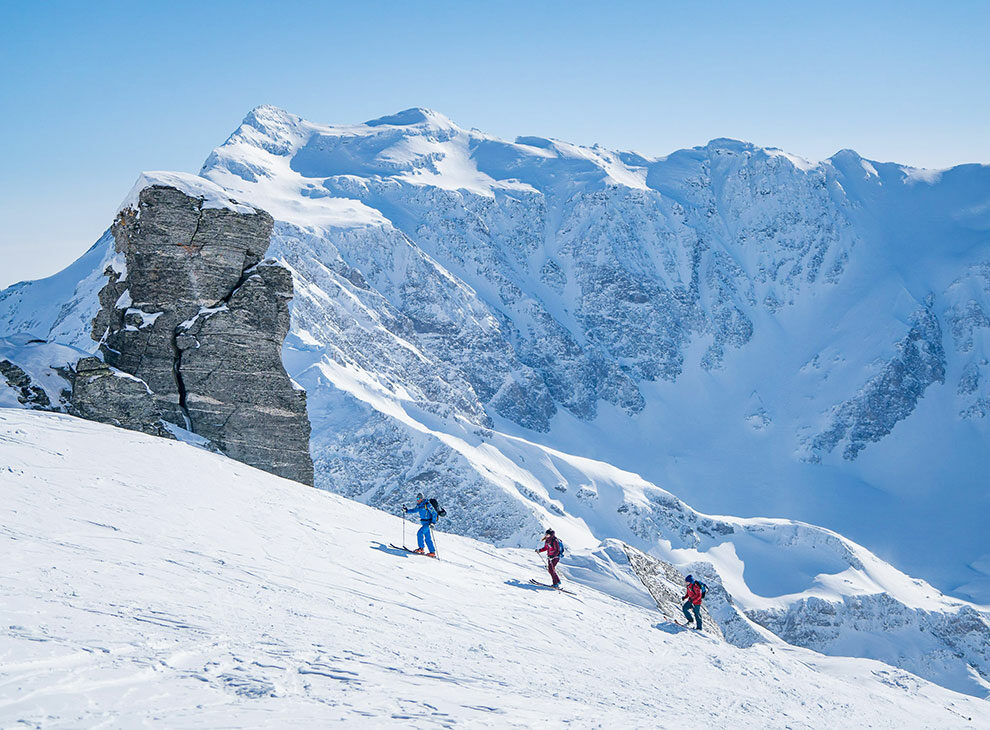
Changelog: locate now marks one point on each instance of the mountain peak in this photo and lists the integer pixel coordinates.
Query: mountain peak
(266, 114)
(729, 144)
(847, 154)
(411, 117)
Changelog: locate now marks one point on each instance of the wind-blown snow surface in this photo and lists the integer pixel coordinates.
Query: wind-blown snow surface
(148, 582)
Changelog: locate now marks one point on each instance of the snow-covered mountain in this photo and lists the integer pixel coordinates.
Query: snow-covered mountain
(539, 332)
(760, 335)
(293, 611)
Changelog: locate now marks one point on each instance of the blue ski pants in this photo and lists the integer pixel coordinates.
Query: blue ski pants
(424, 536)
(687, 613)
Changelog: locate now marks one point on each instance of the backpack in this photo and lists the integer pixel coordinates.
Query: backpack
(702, 586)
(437, 510)
(560, 547)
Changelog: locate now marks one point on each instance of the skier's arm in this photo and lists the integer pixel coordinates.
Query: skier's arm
(543, 549)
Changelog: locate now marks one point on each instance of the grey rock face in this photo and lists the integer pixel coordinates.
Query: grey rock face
(180, 258)
(891, 395)
(28, 394)
(237, 392)
(201, 323)
(105, 394)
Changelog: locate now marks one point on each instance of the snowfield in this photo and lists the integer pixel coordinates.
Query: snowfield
(147, 583)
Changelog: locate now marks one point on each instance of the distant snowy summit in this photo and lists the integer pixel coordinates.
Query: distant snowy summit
(538, 333)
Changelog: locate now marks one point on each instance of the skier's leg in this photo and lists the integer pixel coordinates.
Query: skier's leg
(686, 608)
(697, 617)
(420, 536)
(551, 564)
(428, 536)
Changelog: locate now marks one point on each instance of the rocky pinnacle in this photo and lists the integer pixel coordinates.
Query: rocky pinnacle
(200, 317)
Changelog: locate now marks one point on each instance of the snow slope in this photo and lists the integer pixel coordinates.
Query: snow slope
(146, 582)
(61, 308)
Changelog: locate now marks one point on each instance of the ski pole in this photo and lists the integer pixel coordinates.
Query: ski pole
(403, 518)
(436, 548)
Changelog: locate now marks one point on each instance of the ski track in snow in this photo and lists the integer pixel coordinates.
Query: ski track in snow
(146, 583)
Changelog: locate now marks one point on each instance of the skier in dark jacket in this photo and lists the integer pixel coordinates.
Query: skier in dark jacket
(426, 518)
(551, 546)
(692, 601)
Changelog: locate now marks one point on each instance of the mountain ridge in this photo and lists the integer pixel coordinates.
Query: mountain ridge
(418, 115)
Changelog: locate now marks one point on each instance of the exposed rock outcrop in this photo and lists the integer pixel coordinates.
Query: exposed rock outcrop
(108, 395)
(199, 319)
(237, 393)
(666, 584)
(28, 394)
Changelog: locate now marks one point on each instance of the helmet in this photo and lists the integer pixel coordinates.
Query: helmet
(420, 496)
(689, 579)
(548, 532)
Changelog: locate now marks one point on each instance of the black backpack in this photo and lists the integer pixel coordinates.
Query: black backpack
(437, 509)
(703, 587)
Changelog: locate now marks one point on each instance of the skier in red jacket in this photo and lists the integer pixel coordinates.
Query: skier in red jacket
(551, 546)
(692, 601)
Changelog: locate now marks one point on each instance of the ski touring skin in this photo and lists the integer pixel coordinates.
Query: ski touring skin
(410, 550)
(556, 588)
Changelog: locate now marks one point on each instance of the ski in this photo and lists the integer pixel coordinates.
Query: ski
(408, 550)
(556, 588)
(680, 624)
(689, 627)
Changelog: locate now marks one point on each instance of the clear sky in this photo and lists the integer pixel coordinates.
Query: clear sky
(92, 93)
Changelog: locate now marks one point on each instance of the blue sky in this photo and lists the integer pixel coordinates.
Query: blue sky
(93, 93)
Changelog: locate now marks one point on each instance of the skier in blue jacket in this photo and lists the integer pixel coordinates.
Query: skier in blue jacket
(427, 516)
